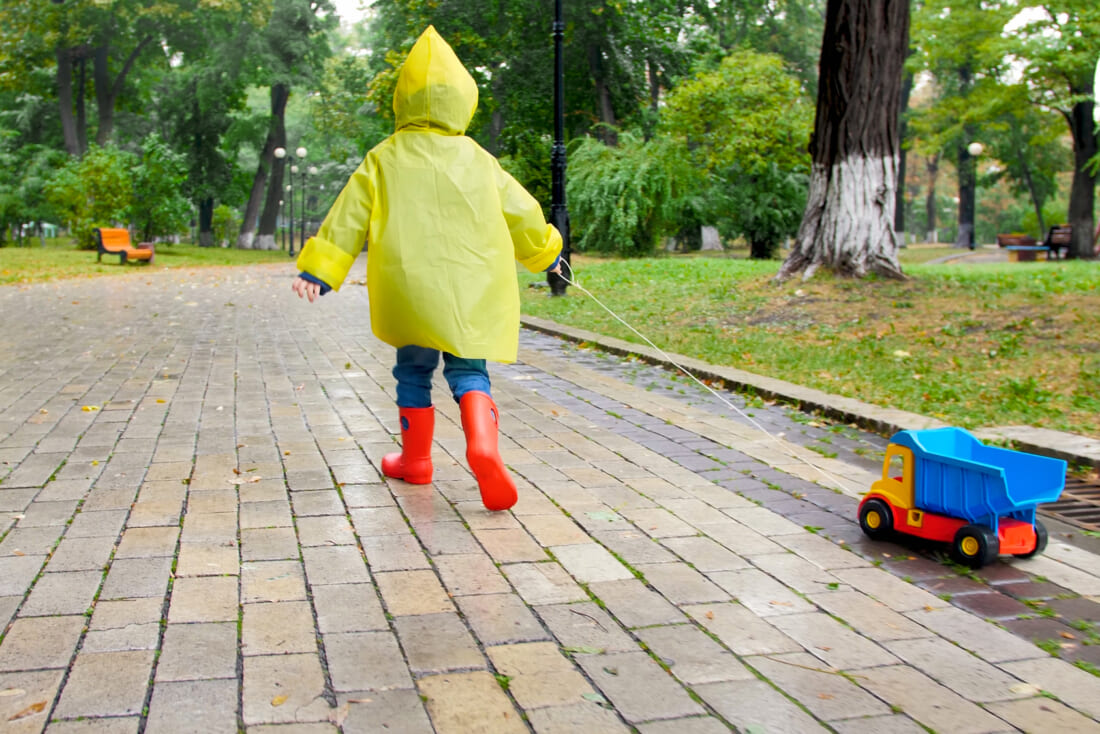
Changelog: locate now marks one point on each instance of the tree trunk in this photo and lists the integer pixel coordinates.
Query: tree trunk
(65, 99)
(933, 168)
(269, 220)
(603, 96)
(279, 96)
(1082, 197)
(206, 222)
(848, 224)
(1036, 201)
(81, 115)
(107, 90)
(968, 189)
(903, 130)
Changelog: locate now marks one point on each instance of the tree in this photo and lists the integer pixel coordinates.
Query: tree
(95, 190)
(160, 208)
(745, 125)
(1060, 48)
(848, 224)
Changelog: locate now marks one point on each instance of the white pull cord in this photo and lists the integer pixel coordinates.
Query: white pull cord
(784, 447)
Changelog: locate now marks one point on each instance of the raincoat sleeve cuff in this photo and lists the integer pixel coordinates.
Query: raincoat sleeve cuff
(325, 287)
(325, 261)
(548, 253)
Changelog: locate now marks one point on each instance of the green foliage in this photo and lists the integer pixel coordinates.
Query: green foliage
(623, 198)
(159, 207)
(94, 191)
(745, 125)
(225, 225)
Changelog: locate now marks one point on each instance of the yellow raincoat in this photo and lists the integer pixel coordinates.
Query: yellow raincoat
(442, 221)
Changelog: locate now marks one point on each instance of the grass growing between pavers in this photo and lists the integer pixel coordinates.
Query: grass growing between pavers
(973, 345)
(59, 259)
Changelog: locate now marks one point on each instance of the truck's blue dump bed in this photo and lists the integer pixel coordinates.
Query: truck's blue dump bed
(958, 475)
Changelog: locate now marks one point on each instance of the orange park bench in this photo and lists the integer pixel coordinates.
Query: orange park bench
(114, 241)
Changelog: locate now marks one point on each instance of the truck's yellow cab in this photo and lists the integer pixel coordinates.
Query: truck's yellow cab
(897, 486)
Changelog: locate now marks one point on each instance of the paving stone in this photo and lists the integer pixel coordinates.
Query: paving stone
(268, 544)
(635, 547)
(510, 545)
(896, 724)
(472, 573)
(278, 628)
(578, 717)
(1043, 715)
(341, 564)
(197, 559)
(926, 701)
(590, 563)
(62, 593)
(740, 630)
(325, 530)
(437, 643)
(376, 521)
(692, 656)
(106, 684)
(135, 577)
(395, 712)
(147, 542)
(543, 583)
(412, 592)
(658, 523)
(498, 619)
(742, 540)
(464, 702)
(263, 581)
(867, 616)
(446, 538)
(889, 589)
(985, 640)
(705, 554)
(18, 572)
(822, 552)
(348, 608)
(835, 644)
(205, 599)
(756, 706)
(394, 553)
(957, 669)
(692, 725)
(585, 628)
(826, 694)
(639, 689)
(40, 642)
(25, 699)
(760, 592)
(681, 584)
(539, 675)
(1073, 686)
(212, 527)
(21, 542)
(283, 688)
(555, 529)
(92, 524)
(317, 502)
(634, 605)
(194, 707)
(198, 651)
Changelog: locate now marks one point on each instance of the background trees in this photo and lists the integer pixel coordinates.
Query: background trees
(701, 108)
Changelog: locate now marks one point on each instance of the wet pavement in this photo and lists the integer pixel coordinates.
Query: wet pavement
(194, 536)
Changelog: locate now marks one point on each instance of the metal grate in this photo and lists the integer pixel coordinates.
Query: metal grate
(1079, 504)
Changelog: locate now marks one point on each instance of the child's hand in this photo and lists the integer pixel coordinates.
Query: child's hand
(306, 289)
(556, 270)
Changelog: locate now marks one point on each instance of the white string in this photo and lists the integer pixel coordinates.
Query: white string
(785, 448)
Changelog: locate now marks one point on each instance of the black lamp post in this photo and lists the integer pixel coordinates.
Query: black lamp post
(559, 214)
(281, 152)
(281, 210)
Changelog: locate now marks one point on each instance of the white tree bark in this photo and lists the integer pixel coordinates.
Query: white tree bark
(265, 242)
(848, 226)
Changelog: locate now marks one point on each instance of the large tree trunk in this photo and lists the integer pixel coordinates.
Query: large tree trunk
(1082, 197)
(81, 113)
(279, 94)
(65, 100)
(107, 90)
(265, 236)
(968, 190)
(933, 168)
(206, 222)
(848, 224)
(603, 96)
(903, 130)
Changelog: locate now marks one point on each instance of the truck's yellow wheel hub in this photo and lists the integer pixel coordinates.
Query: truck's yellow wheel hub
(969, 546)
(874, 520)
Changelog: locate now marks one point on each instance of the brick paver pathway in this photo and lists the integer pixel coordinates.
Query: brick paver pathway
(194, 537)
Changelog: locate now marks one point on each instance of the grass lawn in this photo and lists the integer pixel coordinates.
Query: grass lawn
(971, 344)
(59, 259)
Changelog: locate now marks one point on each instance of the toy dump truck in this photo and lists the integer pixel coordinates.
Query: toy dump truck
(945, 485)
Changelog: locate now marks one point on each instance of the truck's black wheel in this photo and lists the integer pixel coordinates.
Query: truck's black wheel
(876, 520)
(1040, 541)
(975, 546)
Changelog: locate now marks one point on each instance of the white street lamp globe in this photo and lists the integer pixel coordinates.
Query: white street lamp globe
(294, 169)
(313, 170)
(975, 149)
(301, 152)
(288, 187)
(280, 202)
(280, 152)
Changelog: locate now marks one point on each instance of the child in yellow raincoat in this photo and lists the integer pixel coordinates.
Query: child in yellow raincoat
(443, 224)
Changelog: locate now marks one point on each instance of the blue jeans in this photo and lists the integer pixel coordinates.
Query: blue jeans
(416, 365)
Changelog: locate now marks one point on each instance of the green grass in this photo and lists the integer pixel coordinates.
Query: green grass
(59, 259)
(971, 344)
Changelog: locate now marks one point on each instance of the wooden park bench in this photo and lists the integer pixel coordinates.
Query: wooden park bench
(114, 241)
(1021, 247)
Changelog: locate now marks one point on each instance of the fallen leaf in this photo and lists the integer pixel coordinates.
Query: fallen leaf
(278, 700)
(245, 480)
(709, 615)
(12, 692)
(35, 708)
(1068, 635)
(18, 553)
(161, 400)
(825, 696)
(90, 408)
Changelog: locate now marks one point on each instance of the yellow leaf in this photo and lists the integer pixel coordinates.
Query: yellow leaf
(35, 708)
(278, 700)
(161, 400)
(90, 408)
(1068, 635)
(709, 615)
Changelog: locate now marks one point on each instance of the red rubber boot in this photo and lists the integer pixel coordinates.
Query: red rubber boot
(479, 422)
(414, 462)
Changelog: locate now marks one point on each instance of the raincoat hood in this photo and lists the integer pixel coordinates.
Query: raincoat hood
(433, 89)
